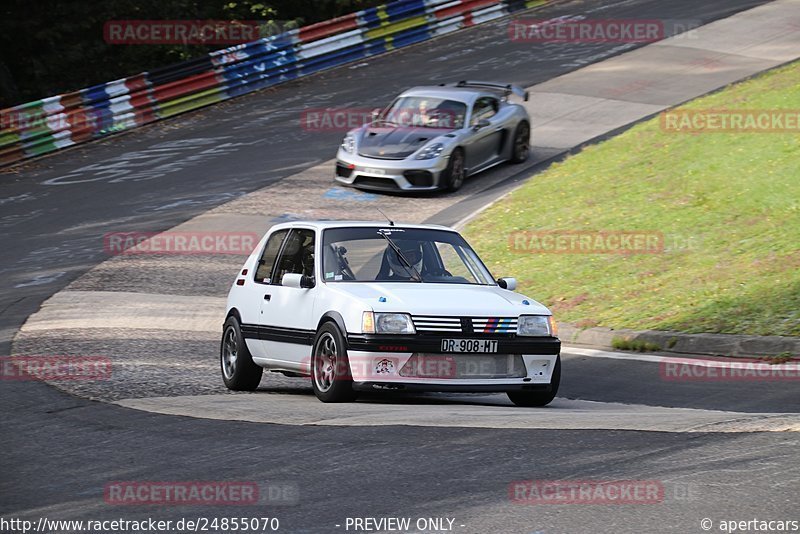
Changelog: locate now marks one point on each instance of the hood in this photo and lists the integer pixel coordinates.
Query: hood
(395, 142)
(442, 299)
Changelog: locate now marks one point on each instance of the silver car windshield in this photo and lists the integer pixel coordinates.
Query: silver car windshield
(425, 112)
(364, 255)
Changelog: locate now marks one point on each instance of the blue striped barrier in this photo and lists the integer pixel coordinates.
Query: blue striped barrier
(46, 125)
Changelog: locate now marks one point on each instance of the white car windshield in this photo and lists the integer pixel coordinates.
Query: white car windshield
(426, 112)
(408, 255)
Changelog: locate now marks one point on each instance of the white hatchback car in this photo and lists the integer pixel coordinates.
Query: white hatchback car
(369, 306)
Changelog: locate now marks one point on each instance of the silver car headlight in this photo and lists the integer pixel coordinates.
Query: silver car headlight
(536, 325)
(387, 323)
(349, 143)
(431, 151)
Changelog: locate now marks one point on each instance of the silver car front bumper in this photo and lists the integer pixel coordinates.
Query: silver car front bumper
(390, 174)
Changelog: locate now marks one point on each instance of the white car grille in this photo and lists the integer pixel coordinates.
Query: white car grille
(480, 325)
(429, 323)
(495, 325)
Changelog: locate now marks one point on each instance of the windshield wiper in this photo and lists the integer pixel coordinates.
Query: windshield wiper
(411, 269)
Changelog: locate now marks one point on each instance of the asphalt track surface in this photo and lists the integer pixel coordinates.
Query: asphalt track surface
(60, 450)
(73, 448)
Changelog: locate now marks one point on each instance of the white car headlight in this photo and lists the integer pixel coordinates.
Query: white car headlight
(536, 325)
(349, 143)
(387, 323)
(431, 151)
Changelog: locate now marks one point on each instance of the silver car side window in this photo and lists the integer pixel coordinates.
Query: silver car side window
(484, 108)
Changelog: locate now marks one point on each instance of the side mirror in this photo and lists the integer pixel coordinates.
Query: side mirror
(507, 283)
(375, 114)
(483, 123)
(297, 281)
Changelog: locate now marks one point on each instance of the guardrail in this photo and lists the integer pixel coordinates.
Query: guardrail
(46, 125)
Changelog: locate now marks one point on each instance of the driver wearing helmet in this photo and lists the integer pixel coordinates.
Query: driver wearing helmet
(412, 251)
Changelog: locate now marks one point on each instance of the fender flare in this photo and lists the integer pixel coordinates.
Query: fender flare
(336, 318)
(233, 312)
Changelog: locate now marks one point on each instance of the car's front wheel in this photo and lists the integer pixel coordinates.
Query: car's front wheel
(239, 372)
(455, 173)
(539, 398)
(522, 143)
(330, 368)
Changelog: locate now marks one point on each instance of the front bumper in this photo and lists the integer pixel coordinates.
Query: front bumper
(383, 362)
(390, 174)
(457, 387)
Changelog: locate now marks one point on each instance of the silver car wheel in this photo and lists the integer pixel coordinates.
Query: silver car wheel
(325, 361)
(229, 353)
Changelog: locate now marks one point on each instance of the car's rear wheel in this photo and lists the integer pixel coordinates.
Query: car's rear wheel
(455, 173)
(330, 368)
(239, 372)
(522, 143)
(539, 398)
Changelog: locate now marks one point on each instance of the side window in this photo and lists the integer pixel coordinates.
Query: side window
(484, 108)
(267, 261)
(297, 255)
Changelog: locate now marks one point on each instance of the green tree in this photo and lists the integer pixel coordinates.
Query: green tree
(50, 46)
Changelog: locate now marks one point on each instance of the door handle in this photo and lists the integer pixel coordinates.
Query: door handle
(267, 297)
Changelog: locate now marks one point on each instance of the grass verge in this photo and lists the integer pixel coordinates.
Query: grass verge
(726, 205)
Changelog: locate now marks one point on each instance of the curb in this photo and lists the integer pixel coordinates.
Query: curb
(742, 346)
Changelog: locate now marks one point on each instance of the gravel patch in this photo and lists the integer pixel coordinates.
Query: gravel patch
(144, 363)
(190, 275)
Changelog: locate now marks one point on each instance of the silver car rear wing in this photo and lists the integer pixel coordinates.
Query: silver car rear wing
(507, 88)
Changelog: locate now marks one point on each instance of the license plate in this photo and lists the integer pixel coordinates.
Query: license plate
(372, 170)
(469, 345)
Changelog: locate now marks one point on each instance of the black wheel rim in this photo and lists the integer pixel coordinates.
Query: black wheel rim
(522, 143)
(457, 171)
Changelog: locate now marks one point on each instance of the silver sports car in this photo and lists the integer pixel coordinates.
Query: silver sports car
(432, 138)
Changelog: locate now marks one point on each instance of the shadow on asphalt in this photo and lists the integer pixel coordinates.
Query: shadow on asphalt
(398, 397)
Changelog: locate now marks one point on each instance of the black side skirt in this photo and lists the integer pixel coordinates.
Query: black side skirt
(296, 336)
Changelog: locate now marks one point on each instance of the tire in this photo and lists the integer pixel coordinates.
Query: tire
(521, 148)
(538, 398)
(455, 173)
(239, 372)
(330, 368)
